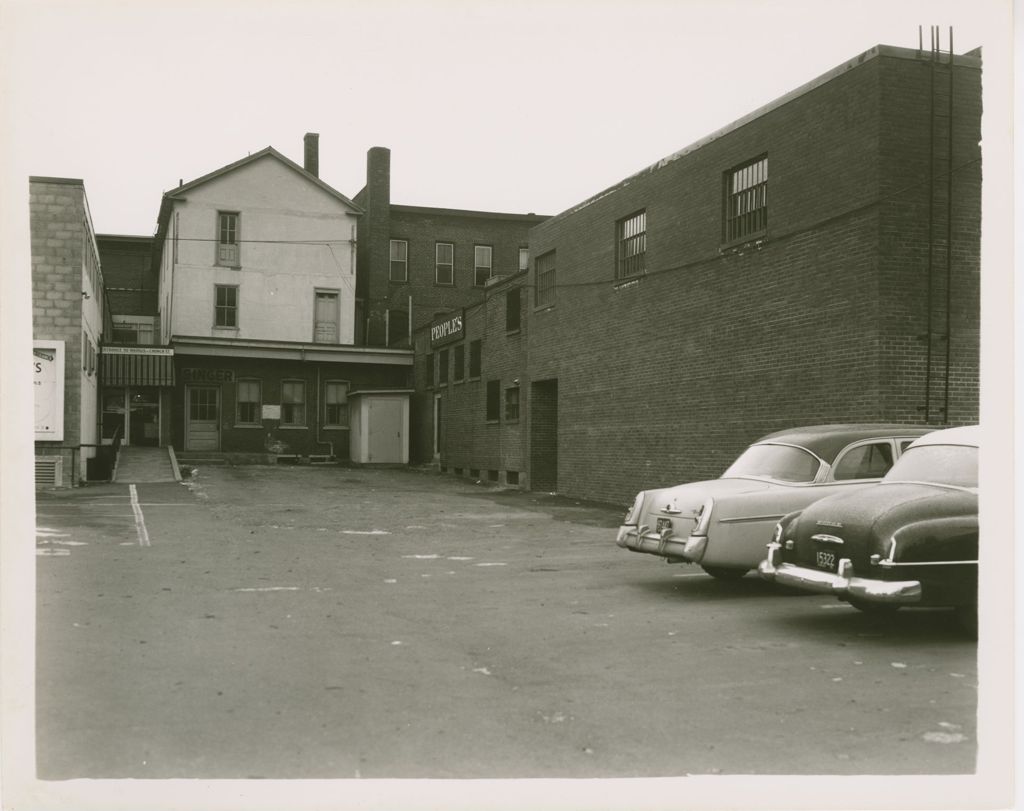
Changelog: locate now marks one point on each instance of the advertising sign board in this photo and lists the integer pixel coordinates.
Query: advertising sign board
(48, 389)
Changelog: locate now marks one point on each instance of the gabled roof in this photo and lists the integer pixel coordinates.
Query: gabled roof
(273, 153)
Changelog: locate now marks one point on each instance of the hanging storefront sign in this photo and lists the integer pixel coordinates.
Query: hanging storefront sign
(447, 330)
(48, 389)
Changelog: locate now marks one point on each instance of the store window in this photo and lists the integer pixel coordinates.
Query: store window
(248, 403)
(293, 403)
(336, 404)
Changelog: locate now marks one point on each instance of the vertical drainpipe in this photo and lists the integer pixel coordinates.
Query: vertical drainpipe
(931, 218)
(949, 236)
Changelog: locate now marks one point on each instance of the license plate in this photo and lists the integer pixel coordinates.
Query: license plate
(825, 560)
(662, 524)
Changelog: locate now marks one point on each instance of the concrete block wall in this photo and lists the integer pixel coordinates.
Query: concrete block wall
(57, 219)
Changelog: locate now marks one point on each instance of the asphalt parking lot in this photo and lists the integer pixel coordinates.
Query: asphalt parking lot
(323, 622)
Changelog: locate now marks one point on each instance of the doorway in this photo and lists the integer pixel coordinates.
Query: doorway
(544, 436)
(202, 418)
(144, 417)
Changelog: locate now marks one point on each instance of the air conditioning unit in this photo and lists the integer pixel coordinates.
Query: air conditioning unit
(49, 471)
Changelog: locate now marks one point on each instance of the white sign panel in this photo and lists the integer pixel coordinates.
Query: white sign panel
(48, 389)
(271, 412)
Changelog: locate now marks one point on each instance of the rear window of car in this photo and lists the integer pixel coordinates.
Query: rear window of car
(955, 465)
(784, 463)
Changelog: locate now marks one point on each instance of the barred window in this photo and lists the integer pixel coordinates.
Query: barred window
(631, 245)
(444, 263)
(746, 201)
(481, 264)
(399, 261)
(336, 404)
(293, 402)
(512, 403)
(248, 403)
(545, 291)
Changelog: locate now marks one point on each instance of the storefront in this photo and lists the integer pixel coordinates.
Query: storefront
(137, 381)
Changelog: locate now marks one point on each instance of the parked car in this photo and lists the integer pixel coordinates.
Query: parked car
(724, 524)
(910, 540)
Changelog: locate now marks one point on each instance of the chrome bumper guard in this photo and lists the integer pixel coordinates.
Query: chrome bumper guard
(841, 583)
(643, 539)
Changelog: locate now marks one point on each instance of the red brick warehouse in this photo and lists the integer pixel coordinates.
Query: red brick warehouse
(816, 261)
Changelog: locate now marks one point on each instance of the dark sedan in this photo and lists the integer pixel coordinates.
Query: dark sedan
(911, 540)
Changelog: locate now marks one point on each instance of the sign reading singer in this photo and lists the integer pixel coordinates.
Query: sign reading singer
(448, 330)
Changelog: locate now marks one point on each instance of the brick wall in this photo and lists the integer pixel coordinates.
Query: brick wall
(57, 218)
(667, 378)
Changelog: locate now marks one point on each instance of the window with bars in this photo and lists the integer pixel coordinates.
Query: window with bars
(444, 263)
(474, 359)
(512, 403)
(225, 305)
(248, 402)
(335, 404)
(746, 201)
(399, 261)
(631, 245)
(227, 238)
(482, 255)
(293, 402)
(545, 291)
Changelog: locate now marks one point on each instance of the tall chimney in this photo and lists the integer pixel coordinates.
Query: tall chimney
(311, 159)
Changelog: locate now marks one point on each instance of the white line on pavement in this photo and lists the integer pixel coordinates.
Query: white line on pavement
(140, 522)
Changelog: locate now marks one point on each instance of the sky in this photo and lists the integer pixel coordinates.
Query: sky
(497, 106)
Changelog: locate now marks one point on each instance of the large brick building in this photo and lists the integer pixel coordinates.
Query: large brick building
(682, 313)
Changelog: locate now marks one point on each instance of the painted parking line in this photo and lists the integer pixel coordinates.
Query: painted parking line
(140, 522)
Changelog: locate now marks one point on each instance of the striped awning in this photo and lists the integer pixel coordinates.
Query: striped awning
(143, 369)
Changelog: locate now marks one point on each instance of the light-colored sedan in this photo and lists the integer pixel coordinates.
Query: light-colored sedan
(725, 524)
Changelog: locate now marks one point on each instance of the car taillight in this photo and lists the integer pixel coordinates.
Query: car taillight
(703, 517)
(633, 513)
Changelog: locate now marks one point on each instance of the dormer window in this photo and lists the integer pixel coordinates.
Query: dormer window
(227, 239)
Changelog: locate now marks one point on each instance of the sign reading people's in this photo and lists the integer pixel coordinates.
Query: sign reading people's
(447, 330)
(48, 389)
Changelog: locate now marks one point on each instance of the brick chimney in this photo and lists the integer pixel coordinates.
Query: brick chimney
(311, 158)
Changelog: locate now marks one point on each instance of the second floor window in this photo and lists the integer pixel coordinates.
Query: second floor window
(631, 246)
(293, 402)
(459, 362)
(225, 305)
(545, 291)
(524, 258)
(227, 239)
(746, 201)
(444, 263)
(248, 403)
(399, 261)
(512, 310)
(474, 359)
(325, 317)
(512, 403)
(481, 264)
(442, 367)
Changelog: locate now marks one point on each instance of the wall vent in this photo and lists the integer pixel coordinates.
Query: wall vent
(49, 471)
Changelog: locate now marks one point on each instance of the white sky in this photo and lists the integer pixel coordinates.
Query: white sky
(521, 107)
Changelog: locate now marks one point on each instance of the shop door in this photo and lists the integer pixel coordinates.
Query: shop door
(144, 417)
(202, 429)
(438, 425)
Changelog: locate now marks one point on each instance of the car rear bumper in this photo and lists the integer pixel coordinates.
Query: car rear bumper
(841, 583)
(642, 539)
